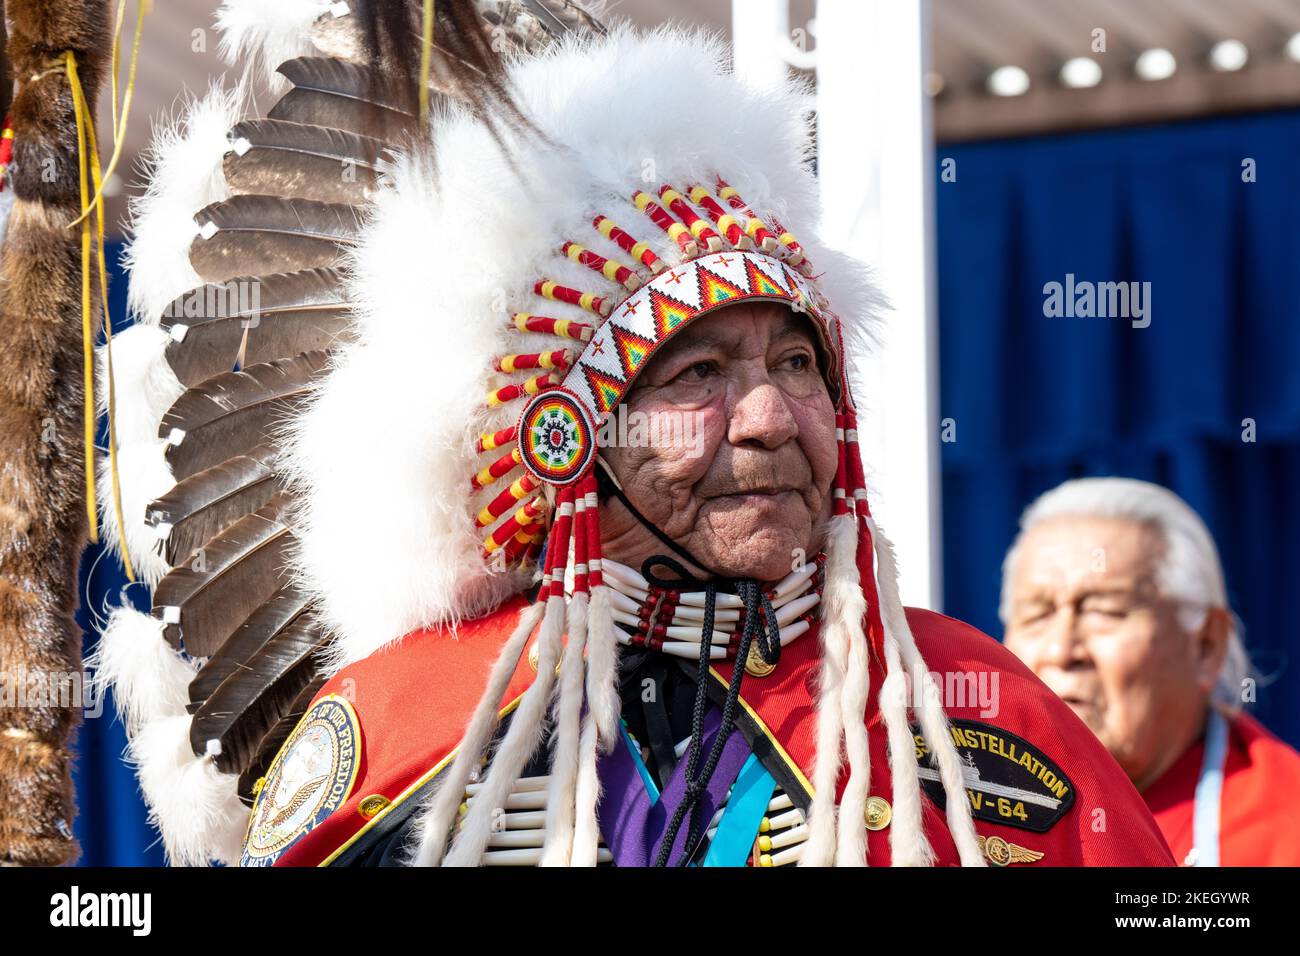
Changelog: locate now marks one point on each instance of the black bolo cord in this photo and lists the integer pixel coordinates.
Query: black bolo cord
(759, 624)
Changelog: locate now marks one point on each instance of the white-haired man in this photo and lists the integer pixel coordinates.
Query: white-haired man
(1113, 594)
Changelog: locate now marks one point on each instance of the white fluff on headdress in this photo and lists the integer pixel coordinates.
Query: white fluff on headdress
(145, 387)
(265, 33)
(195, 806)
(384, 453)
(183, 169)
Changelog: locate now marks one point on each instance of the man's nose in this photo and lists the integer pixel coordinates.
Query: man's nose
(1062, 645)
(762, 417)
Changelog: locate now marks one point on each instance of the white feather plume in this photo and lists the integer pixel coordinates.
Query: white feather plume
(265, 33)
(183, 169)
(195, 806)
(145, 387)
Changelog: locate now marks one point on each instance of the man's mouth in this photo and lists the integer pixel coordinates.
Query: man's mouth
(756, 494)
(756, 490)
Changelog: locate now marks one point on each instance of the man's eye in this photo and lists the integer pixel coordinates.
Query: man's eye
(697, 372)
(1106, 611)
(1034, 615)
(798, 362)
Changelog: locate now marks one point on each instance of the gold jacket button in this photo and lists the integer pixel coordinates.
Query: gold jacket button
(878, 813)
(370, 806)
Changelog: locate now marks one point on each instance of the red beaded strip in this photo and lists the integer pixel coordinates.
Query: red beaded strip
(610, 269)
(588, 301)
(638, 250)
(519, 488)
(495, 470)
(564, 328)
(557, 548)
(698, 227)
(556, 358)
(508, 393)
(793, 249)
(755, 228)
(579, 544)
(676, 231)
(523, 546)
(489, 441)
(841, 502)
(587, 488)
(724, 220)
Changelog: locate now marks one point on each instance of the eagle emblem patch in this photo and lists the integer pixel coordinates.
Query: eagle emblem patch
(309, 779)
(1008, 780)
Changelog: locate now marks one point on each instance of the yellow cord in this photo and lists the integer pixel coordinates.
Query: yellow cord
(119, 130)
(117, 40)
(98, 181)
(426, 61)
(88, 155)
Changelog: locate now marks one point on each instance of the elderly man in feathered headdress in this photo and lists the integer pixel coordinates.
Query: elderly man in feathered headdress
(580, 563)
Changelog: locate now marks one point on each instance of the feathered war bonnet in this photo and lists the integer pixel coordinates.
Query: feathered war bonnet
(510, 285)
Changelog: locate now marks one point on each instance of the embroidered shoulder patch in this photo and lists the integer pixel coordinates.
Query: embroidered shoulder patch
(309, 779)
(1008, 780)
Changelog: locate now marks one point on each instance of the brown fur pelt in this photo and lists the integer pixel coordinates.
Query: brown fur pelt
(43, 520)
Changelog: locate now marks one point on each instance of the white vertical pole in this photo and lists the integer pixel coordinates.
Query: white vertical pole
(759, 31)
(875, 153)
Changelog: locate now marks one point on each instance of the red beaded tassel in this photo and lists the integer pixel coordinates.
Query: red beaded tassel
(855, 494)
(557, 546)
(561, 790)
(602, 647)
(600, 723)
(842, 685)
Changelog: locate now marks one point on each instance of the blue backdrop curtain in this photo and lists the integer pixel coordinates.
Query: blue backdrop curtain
(1036, 400)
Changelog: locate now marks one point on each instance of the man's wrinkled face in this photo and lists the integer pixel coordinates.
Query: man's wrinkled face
(751, 485)
(1087, 616)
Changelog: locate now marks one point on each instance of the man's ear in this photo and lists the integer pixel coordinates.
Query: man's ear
(1212, 645)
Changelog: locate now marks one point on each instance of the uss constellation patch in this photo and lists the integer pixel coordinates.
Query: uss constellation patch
(309, 779)
(1008, 780)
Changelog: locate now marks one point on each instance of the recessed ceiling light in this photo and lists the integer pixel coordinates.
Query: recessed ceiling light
(1008, 81)
(1293, 47)
(1155, 64)
(1227, 56)
(1080, 72)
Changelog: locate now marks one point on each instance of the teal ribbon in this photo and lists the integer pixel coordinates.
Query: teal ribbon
(746, 807)
(641, 768)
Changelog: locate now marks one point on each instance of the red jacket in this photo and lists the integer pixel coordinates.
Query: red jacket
(397, 716)
(1258, 825)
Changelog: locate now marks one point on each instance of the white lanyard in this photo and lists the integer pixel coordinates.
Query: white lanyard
(1209, 792)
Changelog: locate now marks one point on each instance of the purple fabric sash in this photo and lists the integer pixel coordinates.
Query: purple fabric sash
(633, 826)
